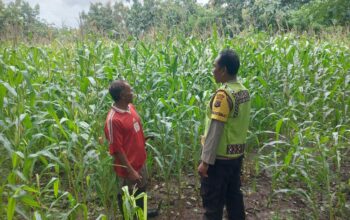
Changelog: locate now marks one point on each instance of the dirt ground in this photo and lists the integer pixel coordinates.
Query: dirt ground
(186, 204)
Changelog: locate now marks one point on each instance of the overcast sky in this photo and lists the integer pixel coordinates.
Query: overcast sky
(65, 12)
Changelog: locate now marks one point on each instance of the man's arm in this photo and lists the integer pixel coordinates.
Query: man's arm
(132, 173)
(221, 107)
(210, 145)
(212, 141)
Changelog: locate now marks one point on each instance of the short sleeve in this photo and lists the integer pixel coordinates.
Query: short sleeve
(115, 138)
(220, 107)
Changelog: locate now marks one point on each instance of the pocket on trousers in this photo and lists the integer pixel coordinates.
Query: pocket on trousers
(210, 191)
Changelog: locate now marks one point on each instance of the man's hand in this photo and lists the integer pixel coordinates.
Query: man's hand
(100, 140)
(202, 139)
(134, 175)
(203, 169)
(150, 137)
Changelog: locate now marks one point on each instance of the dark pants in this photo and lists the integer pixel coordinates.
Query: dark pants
(141, 186)
(139, 202)
(222, 187)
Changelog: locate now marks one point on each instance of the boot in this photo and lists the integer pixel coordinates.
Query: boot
(150, 212)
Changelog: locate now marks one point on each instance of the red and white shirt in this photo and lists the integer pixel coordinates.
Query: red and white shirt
(124, 132)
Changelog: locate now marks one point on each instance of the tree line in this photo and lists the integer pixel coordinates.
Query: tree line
(20, 20)
(187, 16)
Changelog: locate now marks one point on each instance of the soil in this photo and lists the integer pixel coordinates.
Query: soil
(259, 202)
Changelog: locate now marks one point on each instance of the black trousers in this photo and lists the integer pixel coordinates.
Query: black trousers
(140, 185)
(222, 188)
(139, 202)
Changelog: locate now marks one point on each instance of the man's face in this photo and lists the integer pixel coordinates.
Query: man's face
(217, 71)
(127, 94)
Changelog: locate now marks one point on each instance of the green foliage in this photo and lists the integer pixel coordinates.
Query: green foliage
(142, 16)
(321, 13)
(54, 101)
(99, 17)
(130, 208)
(229, 16)
(19, 20)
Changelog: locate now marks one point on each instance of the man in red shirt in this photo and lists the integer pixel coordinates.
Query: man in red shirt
(124, 133)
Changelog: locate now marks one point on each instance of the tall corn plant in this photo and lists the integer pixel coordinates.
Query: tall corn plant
(54, 101)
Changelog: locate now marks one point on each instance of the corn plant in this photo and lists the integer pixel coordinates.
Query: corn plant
(54, 101)
(130, 209)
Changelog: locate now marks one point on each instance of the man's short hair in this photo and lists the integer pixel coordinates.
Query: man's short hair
(116, 88)
(229, 59)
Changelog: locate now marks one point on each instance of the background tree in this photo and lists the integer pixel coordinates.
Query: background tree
(142, 16)
(136, 17)
(321, 13)
(120, 12)
(19, 19)
(2, 16)
(99, 17)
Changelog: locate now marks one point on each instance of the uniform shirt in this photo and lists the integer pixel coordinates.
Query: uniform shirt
(221, 106)
(226, 124)
(124, 133)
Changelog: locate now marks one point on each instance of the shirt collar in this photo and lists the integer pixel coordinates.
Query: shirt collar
(121, 110)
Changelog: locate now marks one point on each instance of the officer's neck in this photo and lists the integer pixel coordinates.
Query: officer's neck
(231, 79)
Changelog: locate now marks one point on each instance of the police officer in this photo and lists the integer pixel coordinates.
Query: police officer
(224, 140)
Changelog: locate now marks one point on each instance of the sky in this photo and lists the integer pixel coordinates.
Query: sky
(66, 12)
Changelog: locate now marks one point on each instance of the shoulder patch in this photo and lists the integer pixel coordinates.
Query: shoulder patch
(220, 107)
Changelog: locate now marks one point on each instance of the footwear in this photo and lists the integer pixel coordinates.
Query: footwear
(152, 213)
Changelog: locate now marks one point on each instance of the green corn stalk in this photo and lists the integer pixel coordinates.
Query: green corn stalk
(130, 209)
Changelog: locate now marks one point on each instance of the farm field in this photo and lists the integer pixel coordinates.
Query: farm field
(54, 101)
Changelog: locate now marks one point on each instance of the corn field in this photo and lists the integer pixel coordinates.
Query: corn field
(54, 100)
